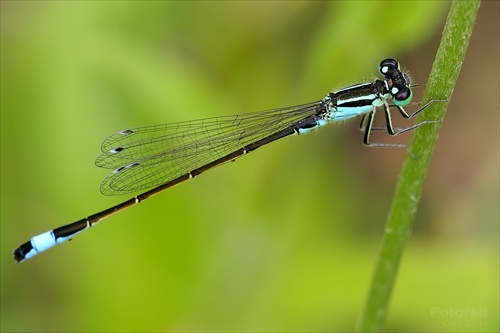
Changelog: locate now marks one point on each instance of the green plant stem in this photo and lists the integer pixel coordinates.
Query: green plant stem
(440, 86)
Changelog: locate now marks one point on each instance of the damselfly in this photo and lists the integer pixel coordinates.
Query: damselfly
(160, 157)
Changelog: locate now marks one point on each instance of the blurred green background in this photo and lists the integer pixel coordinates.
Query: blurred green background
(282, 240)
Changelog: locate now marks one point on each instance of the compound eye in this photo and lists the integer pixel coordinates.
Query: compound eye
(401, 95)
(388, 67)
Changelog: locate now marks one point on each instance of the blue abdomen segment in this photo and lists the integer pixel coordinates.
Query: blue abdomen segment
(311, 126)
(45, 241)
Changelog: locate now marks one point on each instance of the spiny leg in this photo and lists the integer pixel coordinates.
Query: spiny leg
(422, 108)
(366, 125)
(399, 130)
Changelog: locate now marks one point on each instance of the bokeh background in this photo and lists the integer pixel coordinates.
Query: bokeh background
(282, 240)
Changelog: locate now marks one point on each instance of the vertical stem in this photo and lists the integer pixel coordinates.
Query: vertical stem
(442, 80)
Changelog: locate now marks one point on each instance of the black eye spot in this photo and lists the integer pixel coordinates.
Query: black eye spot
(389, 67)
(402, 94)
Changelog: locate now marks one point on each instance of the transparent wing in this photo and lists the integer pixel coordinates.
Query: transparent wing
(150, 156)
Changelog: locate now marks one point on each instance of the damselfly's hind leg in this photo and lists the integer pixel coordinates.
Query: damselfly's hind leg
(367, 127)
